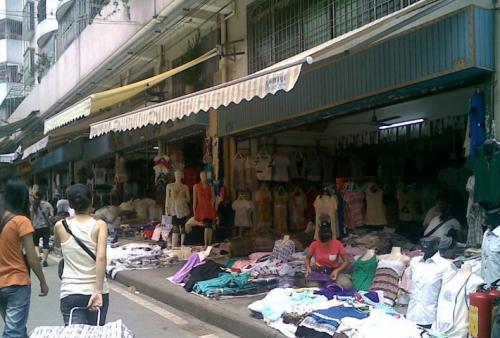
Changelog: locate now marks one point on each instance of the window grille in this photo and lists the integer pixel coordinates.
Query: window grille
(29, 66)
(29, 17)
(279, 29)
(11, 29)
(41, 10)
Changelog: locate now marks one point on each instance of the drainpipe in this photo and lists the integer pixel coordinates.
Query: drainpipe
(496, 84)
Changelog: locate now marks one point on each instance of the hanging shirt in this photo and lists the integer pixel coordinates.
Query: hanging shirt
(490, 262)
(355, 204)
(487, 174)
(426, 281)
(281, 164)
(263, 167)
(452, 316)
(243, 213)
(477, 127)
(326, 209)
(375, 209)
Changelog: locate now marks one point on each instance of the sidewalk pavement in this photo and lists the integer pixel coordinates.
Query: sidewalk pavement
(231, 315)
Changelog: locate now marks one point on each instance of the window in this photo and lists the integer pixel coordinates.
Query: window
(29, 66)
(29, 20)
(9, 73)
(11, 29)
(279, 29)
(41, 10)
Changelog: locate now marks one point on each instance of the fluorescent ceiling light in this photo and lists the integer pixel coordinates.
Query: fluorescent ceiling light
(156, 148)
(401, 124)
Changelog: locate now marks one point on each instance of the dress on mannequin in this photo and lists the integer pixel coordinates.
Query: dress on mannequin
(297, 209)
(364, 270)
(389, 271)
(452, 315)
(205, 209)
(177, 200)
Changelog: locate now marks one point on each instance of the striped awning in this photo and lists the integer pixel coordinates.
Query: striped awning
(95, 102)
(36, 147)
(246, 88)
(9, 158)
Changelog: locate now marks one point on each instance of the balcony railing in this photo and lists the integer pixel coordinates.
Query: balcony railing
(28, 20)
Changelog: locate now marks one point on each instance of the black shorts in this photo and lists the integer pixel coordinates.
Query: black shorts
(179, 221)
(44, 234)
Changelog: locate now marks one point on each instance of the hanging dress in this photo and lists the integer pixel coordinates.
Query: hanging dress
(280, 212)
(204, 205)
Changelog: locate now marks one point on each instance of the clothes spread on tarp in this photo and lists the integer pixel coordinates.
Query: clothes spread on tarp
(281, 164)
(224, 284)
(264, 166)
(490, 262)
(239, 173)
(426, 281)
(177, 200)
(326, 210)
(387, 277)
(283, 250)
(279, 301)
(182, 275)
(324, 323)
(364, 273)
(477, 126)
(243, 213)
(205, 209)
(375, 209)
(280, 199)
(297, 208)
(354, 204)
(263, 208)
(272, 267)
(487, 173)
(135, 256)
(452, 315)
(208, 270)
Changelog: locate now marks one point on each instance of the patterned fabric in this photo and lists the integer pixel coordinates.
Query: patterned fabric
(283, 250)
(354, 204)
(475, 220)
(324, 323)
(387, 280)
(110, 330)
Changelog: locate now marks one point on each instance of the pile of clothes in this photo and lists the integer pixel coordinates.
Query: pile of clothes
(332, 312)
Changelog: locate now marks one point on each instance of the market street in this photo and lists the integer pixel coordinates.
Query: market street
(143, 315)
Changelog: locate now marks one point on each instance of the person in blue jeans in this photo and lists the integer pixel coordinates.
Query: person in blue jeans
(83, 283)
(16, 234)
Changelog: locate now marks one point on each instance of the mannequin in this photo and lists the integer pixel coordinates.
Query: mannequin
(390, 269)
(365, 266)
(177, 204)
(426, 274)
(452, 315)
(204, 206)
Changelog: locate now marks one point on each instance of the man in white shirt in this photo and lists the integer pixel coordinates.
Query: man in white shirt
(437, 210)
(442, 225)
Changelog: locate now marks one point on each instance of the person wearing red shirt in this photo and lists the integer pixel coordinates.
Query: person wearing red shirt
(329, 257)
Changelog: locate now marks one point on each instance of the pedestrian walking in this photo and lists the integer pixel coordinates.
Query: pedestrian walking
(41, 213)
(83, 242)
(16, 235)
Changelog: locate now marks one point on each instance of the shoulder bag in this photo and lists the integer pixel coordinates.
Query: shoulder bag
(60, 268)
(6, 219)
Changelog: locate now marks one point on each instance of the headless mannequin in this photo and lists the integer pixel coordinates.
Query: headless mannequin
(396, 255)
(430, 245)
(178, 186)
(208, 227)
(243, 196)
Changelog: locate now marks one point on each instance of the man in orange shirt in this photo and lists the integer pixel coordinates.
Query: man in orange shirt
(16, 234)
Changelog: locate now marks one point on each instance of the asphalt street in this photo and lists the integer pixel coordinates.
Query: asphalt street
(143, 315)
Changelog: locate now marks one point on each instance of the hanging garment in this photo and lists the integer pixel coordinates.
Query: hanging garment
(375, 208)
(243, 213)
(364, 273)
(263, 208)
(313, 167)
(250, 174)
(204, 204)
(407, 201)
(280, 211)
(297, 208)
(297, 166)
(426, 280)
(239, 173)
(281, 164)
(264, 167)
(452, 314)
(355, 202)
(387, 277)
(326, 209)
(177, 200)
(487, 174)
(477, 126)
(311, 195)
(283, 250)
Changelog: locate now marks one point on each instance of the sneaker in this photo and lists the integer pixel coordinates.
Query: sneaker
(45, 264)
